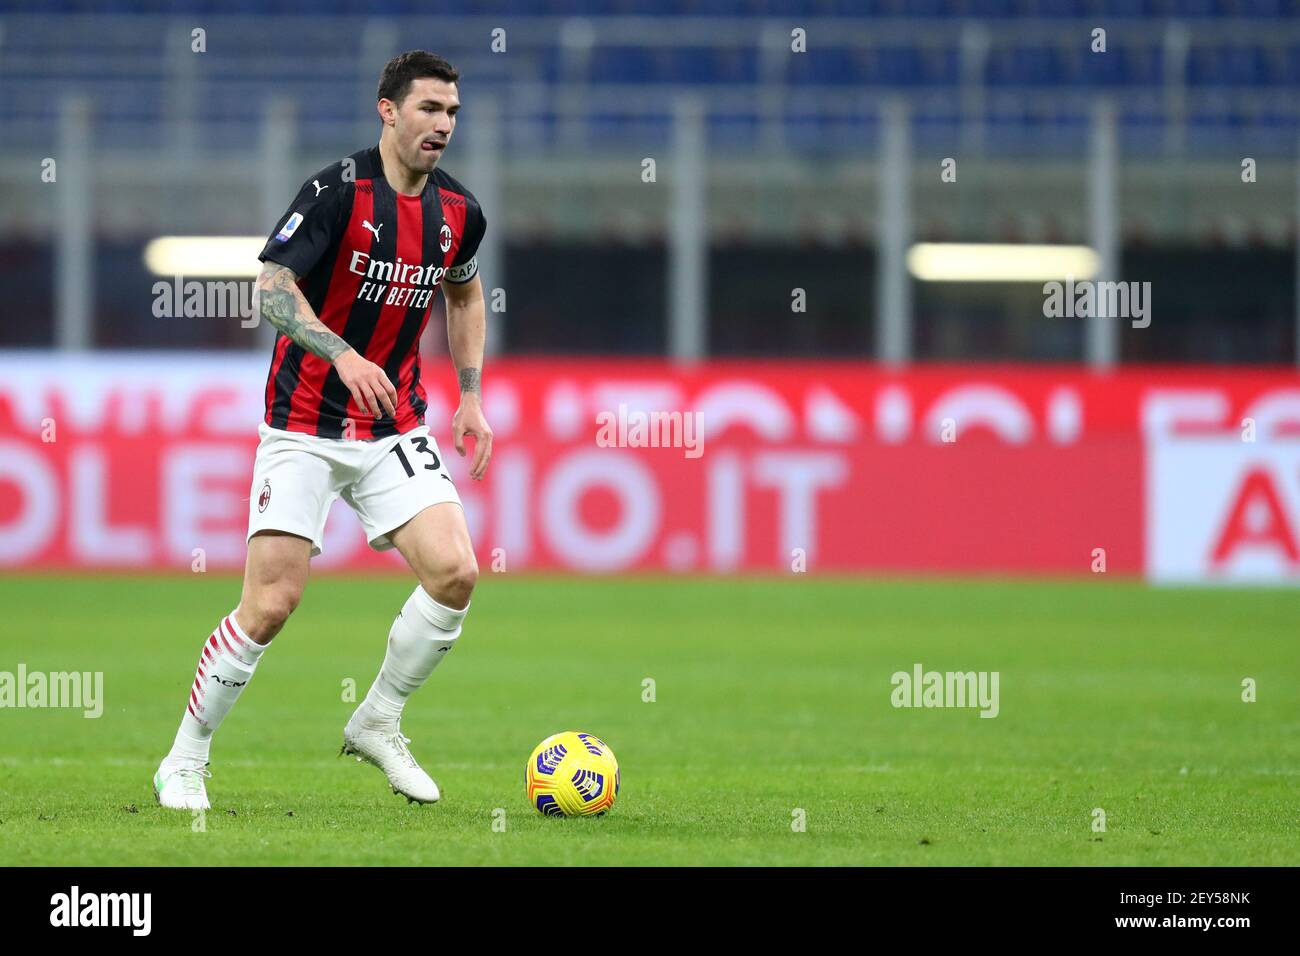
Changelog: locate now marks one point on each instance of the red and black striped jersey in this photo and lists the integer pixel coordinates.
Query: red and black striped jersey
(368, 261)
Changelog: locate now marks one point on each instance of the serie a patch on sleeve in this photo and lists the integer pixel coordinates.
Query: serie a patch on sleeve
(289, 227)
(463, 272)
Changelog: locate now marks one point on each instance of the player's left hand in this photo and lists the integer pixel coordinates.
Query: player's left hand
(469, 420)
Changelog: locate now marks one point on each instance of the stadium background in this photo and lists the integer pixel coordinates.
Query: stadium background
(798, 152)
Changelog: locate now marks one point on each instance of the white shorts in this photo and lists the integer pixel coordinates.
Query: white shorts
(387, 482)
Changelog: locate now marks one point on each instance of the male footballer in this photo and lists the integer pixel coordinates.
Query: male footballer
(348, 278)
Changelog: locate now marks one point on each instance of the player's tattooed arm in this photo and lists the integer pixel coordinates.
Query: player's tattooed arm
(282, 303)
(469, 381)
(466, 335)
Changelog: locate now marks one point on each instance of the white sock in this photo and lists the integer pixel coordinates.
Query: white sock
(226, 664)
(421, 636)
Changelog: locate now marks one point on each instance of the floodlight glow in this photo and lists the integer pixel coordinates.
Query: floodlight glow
(199, 256)
(999, 262)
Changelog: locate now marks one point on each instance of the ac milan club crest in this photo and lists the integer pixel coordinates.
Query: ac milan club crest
(264, 498)
(444, 236)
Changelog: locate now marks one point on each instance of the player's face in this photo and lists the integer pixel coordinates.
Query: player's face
(424, 122)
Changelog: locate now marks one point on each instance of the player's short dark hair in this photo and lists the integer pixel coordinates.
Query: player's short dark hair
(401, 70)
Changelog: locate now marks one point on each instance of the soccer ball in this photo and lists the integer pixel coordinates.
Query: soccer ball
(572, 775)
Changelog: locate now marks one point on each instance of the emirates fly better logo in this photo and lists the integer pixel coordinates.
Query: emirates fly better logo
(395, 283)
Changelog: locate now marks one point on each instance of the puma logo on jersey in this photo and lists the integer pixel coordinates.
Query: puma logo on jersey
(319, 187)
(365, 224)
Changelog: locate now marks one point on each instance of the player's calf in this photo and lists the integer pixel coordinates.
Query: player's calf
(226, 664)
(422, 634)
(273, 581)
(436, 544)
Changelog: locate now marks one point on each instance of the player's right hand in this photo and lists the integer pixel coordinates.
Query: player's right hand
(370, 387)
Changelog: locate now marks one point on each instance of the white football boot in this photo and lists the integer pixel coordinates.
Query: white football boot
(387, 750)
(178, 784)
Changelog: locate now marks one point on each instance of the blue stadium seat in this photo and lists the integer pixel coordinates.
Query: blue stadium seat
(318, 64)
(627, 64)
(1024, 66)
(731, 129)
(1127, 8)
(1261, 8)
(1061, 9)
(1225, 66)
(620, 127)
(708, 65)
(833, 66)
(1118, 66)
(982, 8)
(1282, 66)
(1193, 8)
(937, 124)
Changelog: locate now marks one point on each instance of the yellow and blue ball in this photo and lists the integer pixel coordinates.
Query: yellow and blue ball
(572, 775)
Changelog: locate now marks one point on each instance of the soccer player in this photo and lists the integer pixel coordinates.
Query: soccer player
(348, 278)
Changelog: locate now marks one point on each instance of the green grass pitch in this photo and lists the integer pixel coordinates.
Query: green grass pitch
(771, 696)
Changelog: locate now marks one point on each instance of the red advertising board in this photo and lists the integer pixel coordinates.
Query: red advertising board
(145, 461)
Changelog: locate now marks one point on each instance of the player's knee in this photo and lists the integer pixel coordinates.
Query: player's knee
(270, 609)
(453, 583)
